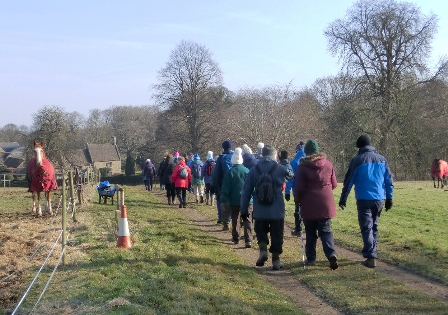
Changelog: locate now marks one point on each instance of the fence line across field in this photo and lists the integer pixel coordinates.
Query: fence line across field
(62, 234)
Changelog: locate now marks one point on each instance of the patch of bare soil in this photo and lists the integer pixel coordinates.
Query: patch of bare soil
(285, 281)
(25, 241)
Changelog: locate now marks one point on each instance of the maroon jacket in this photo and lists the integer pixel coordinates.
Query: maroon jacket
(313, 187)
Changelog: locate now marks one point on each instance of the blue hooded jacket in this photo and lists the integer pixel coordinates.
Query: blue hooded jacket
(371, 176)
(294, 163)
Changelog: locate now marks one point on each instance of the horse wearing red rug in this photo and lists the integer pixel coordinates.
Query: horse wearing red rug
(439, 170)
(41, 178)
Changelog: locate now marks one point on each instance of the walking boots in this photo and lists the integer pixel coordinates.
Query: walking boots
(276, 263)
(263, 254)
(369, 263)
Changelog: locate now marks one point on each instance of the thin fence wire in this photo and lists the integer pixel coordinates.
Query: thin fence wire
(37, 275)
(71, 205)
(40, 245)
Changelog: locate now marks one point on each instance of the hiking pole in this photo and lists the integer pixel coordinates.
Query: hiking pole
(301, 236)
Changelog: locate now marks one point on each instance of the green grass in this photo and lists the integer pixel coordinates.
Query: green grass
(175, 268)
(172, 268)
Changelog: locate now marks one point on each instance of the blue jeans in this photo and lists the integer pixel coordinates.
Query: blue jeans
(369, 212)
(323, 229)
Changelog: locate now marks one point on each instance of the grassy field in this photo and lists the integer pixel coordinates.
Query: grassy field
(175, 268)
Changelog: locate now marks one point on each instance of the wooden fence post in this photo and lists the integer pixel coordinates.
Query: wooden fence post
(64, 219)
(72, 194)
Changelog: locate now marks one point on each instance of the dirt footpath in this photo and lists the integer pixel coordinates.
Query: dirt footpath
(285, 281)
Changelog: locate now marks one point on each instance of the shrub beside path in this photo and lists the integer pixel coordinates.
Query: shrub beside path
(289, 285)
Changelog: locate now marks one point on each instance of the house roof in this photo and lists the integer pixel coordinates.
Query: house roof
(12, 162)
(78, 157)
(9, 146)
(103, 152)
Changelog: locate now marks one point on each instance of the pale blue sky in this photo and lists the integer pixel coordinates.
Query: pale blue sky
(83, 55)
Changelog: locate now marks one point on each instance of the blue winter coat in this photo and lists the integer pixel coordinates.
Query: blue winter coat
(249, 160)
(294, 163)
(276, 210)
(371, 176)
(207, 178)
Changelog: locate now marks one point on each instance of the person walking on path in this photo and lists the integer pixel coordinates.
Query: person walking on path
(232, 186)
(149, 173)
(223, 164)
(370, 174)
(313, 195)
(160, 172)
(167, 178)
(207, 170)
(198, 178)
(300, 153)
(182, 180)
(268, 209)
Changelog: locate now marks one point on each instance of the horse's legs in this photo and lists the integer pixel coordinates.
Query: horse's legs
(434, 180)
(48, 207)
(33, 194)
(39, 208)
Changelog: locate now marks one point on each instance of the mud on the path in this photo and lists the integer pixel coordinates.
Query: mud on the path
(289, 285)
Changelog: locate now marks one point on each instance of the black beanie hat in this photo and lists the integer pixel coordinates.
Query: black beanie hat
(362, 141)
(226, 145)
(283, 154)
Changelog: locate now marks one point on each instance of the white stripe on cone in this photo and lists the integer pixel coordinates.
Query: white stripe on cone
(124, 239)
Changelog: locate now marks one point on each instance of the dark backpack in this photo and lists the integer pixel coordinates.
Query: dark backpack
(183, 173)
(197, 170)
(264, 189)
(209, 168)
(149, 172)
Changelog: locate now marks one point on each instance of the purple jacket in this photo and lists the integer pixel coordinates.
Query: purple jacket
(313, 187)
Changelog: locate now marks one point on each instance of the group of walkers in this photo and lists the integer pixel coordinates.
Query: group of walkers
(249, 190)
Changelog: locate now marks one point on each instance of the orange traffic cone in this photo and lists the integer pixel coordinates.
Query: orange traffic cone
(124, 238)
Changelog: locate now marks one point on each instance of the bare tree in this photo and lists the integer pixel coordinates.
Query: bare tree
(51, 125)
(190, 88)
(14, 133)
(385, 44)
(280, 116)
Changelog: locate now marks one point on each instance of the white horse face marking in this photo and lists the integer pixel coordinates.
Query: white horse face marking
(38, 152)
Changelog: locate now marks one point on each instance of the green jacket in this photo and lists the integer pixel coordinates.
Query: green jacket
(233, 184)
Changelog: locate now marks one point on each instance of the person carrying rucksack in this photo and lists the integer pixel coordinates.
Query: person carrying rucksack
(264, 184)
(223, 164)
(207, 169)
(182, 180)
(149, 173)
(198, 179)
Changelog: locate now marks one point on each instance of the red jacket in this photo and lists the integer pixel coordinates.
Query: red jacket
(177, 180)
(313, 187)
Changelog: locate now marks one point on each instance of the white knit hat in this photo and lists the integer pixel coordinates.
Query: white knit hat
(237, 157)
(246, 149)
(260, 145)
(209, 155)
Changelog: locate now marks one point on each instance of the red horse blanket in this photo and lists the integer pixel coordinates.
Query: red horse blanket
(41, 178)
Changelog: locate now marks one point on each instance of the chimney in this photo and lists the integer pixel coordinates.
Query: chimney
(114, 141)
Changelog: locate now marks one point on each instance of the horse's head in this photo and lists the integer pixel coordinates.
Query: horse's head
(39, 152)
